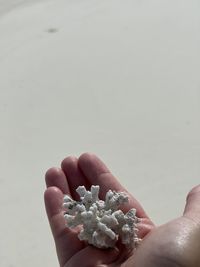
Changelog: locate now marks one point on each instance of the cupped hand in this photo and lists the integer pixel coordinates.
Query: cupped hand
(175, 244)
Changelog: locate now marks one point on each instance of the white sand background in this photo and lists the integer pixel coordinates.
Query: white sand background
(119, 78)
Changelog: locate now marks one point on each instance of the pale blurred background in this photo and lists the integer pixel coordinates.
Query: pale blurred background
(119, 78)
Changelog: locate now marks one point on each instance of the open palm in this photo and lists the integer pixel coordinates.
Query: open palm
(161, 246)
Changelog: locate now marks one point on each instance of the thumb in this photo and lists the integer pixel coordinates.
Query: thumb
(192, 207)
(91, 256)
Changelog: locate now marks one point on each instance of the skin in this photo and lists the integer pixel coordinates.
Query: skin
(174, 244)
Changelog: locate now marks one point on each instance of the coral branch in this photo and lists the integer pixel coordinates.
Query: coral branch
(102, 222)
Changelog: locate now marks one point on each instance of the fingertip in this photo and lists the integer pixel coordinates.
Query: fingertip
(87, 156)
(192, 207)
(193, 191)
(68, 161)
(56, 177)
(51, 174)
(145, 226)
(52, 192)
(91, 165)
(53, 198)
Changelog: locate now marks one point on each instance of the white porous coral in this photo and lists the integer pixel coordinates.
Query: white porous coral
(102, 222)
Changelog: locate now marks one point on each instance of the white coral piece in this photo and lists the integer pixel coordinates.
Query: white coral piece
(102, 222)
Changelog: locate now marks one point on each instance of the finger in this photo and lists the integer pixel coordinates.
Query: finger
(98, 173)
(74, 176)
(192, 208)
(91, 256)
(145, 226)
(56, 177)
(53, 198)
(66, 240)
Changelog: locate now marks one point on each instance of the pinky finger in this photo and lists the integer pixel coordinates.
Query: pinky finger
(53, 198)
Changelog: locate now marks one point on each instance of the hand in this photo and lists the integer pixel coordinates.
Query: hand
(175, 244)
